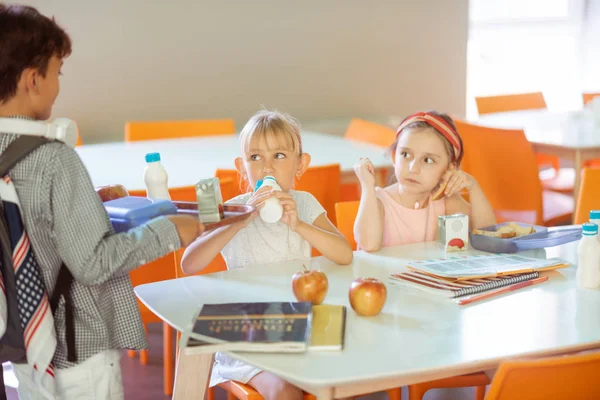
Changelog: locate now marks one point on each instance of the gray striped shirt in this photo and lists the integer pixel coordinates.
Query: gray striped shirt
(66, 222)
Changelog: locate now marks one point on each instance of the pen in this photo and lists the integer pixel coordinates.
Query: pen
(502, 290)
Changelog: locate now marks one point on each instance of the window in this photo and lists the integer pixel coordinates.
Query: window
(520, 46)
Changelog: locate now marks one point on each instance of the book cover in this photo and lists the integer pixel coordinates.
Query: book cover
(252, 327)
(328, 327)
(453, 288)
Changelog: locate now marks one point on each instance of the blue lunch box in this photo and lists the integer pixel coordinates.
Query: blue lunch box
(131, 211)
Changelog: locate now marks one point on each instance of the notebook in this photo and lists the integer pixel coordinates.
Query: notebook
(328, 327)
(453, 288)
(484, 266)
(251, 327)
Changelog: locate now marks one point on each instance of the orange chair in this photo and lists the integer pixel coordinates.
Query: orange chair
(345, 213)
(368, 132)
(563, 377)
(323, 182)
(589, 195)
(241, 186)
(510, 102)
(158, 270)
(588, 97)
(560, 182)
(154, 130)
(504, 165)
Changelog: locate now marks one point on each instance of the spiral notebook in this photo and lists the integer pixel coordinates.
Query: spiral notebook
(452, 288)
(484, 266)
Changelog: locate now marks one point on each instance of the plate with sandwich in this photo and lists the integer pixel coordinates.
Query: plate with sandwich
(511, 237)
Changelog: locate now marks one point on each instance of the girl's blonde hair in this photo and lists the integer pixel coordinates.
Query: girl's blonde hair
(279, 130)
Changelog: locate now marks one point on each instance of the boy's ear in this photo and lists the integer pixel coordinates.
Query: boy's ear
(303, 164)
(29, 80)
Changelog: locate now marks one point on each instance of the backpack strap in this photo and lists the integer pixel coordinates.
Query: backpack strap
(15, 152)
(63, 289)
(18, 150)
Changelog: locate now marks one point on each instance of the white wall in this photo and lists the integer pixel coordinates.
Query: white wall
(318, 60)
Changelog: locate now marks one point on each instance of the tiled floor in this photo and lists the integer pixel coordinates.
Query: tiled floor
(146, 382)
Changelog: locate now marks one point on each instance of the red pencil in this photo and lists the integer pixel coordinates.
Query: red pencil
(506, 289)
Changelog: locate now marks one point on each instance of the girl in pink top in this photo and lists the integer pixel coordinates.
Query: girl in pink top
(426, 154)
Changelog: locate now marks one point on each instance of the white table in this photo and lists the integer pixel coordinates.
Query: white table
(189, 160)
(416, 338)
(567, 135)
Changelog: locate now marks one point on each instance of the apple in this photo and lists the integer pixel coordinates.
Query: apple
(367, 296)
(111, 192)
(310, 285)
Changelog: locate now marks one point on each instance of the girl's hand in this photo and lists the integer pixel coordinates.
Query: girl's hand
(257, 200)
(457, 181)
(365, 171)
(290, 212)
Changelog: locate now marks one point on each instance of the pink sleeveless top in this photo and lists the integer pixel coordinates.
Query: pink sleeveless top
(403, 225)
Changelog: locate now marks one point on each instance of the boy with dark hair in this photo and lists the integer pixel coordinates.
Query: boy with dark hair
(65, 221)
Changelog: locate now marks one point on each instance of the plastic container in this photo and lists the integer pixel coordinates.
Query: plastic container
(543, 237)
(272, 211)
(588, 258)
(128, 212)
(156, 178)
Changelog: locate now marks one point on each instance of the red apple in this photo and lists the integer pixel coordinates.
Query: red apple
(111, 192)
(367, 296)
(310, 285)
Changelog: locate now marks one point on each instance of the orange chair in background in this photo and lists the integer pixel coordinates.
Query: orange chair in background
(563, 377)
(510, 102)
(154, 130)
(589, 195)
(504, 165)
(561, 182)
(368, 132)
(323, 182)
(345, 214)
(241, 186)
(588, 97)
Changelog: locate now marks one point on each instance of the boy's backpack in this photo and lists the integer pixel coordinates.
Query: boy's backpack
(12, 345)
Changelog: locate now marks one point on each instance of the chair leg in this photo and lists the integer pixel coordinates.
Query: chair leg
(144, 353)
(416, 392)
(144, 357)
(479, 392)
(131, 353)
(395, 394)
(210, 393)
(168, 366)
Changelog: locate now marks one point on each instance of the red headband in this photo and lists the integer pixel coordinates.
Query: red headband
(437, 123)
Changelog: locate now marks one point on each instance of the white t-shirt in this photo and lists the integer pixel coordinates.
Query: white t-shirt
(264, 243)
